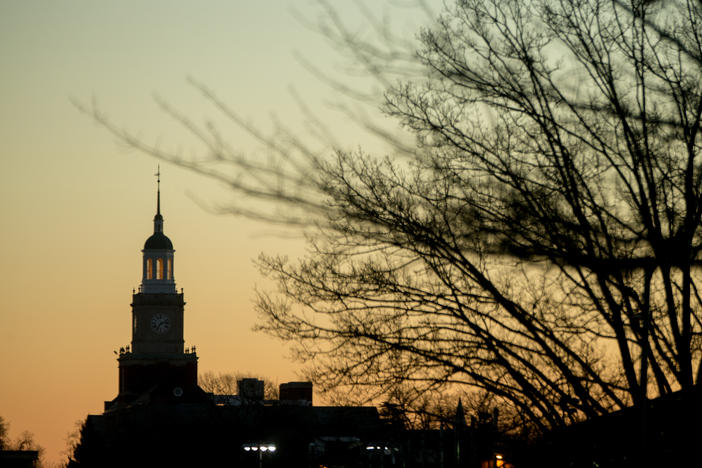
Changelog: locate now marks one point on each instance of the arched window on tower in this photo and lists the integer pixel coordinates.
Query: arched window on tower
(169, 269)
(159, 268)
(149, 269)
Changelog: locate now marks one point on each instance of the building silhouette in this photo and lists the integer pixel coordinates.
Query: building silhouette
(18, 458)
(161, 417)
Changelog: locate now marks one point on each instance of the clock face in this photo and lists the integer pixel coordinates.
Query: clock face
(160, 323)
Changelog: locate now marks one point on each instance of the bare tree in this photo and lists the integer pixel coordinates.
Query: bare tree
(406, 408)
(73, 439)
(4, 441)
(226, 383)
(540, 241)
(25, 441)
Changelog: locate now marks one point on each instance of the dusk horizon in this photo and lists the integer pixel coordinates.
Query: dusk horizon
(462, 234)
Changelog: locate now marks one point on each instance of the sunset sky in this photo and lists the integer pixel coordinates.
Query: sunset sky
(77, 205)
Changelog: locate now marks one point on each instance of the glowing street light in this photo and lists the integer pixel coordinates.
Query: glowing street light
(385, 449)
(260, 448)
(380, 452)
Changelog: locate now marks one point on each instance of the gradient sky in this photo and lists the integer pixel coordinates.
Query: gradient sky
(77, 206)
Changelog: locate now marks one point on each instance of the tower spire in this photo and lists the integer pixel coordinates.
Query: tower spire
(158, 254)
(158, 190)
(158, 219)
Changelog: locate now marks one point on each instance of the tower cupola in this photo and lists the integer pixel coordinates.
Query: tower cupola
(158, 255)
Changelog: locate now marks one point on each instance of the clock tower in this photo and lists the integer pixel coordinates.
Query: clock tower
(157, 368)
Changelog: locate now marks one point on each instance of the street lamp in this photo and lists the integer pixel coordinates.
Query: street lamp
(260, 448)
(379, 451)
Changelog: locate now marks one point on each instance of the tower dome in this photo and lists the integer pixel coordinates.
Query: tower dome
(158, 241)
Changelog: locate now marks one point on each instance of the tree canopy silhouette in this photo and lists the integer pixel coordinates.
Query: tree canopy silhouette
(540, 237)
